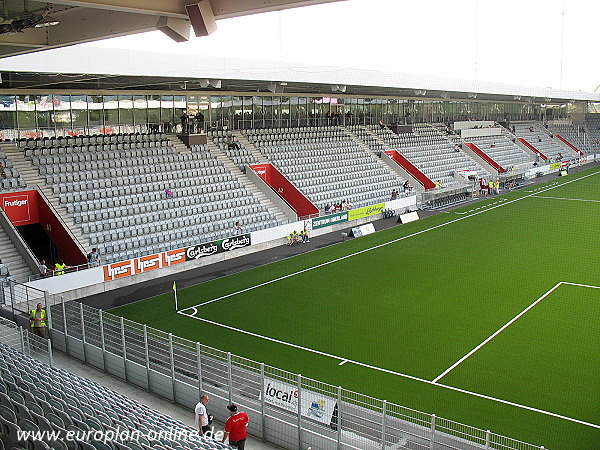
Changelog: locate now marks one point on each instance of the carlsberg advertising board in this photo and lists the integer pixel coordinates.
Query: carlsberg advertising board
(314, 406)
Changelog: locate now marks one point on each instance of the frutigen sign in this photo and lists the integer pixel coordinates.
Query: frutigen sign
(314, 406)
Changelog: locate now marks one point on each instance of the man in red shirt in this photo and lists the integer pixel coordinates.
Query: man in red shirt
(235, 427)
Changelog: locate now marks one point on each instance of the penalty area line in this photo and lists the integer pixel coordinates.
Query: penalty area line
(502, 328)
(391, 372)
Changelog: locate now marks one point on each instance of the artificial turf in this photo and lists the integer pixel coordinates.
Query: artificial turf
(432, 292)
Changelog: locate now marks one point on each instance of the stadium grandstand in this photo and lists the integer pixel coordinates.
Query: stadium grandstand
(152, 203)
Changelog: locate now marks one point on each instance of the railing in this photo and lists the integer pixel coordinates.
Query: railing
(69, 269)
(16, 337)
(179, 369)
(21, 298)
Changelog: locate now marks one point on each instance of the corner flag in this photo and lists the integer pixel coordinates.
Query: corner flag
(175, 291)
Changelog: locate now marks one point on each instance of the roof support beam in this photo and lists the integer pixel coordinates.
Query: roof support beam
(169, 8)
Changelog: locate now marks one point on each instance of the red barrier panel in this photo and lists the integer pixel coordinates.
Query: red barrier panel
(569, 144)
(532, 148)
(21, 207)
(411, 169)
(485, 157)
(28, 207)
(286, 190)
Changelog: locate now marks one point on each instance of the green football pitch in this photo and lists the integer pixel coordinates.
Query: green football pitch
(488, 315)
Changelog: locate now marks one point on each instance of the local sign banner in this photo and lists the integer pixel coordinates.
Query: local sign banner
(314, 405)
(220, 246)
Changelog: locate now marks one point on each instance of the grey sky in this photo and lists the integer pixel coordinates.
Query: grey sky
(512, 41)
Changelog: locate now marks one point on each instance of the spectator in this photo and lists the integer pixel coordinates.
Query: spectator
(235, 428)
(203, 419)
(169, 193)
(2, 173)
(43, 268)
(184, 122)
(347, 205)
(237, 229)
(394, 194)
(232, 144)
(407, 187)
(514, 130)
(381, 125)
(199, 122)
(327, 207)
(4, 272)
(37, 321)
(438, 185)
(93, 258)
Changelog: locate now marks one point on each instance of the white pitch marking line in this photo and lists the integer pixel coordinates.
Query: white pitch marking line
(529, 408)
(572, 199)
(391, 372)
(318, 352)
(389, 242)
(581, 285)
(506, 325)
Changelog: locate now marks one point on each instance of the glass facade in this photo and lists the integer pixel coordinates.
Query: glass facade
(59, 115)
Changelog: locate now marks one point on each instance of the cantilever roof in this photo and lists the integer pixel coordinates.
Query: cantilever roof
(85, 68)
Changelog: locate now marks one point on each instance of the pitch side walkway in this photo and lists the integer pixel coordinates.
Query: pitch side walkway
(151, 400)
(140, 291)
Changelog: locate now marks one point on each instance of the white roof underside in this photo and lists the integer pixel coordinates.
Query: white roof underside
(94, 60)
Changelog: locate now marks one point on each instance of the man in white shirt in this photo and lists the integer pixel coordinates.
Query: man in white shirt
(237, 229)
(202, 420)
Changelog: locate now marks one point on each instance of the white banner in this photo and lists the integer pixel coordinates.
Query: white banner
(314, 406)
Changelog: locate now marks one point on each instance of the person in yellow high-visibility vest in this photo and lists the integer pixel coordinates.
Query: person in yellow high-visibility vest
(491, 187)
(37, 321)
(59, 267)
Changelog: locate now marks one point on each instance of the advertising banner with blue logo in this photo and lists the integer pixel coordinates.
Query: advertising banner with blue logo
(315, 406)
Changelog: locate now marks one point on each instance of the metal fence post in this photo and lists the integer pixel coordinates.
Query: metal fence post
(64, 312)
(50, 358)
(488, 435)
(48, 314)
(11, 291)
(432, 438)
(172, 364)
(199, 361)
(339, 417)
(147, 356)
(124, 349)
(383, 422)
(299, 410)
(22, 339)
(229, 378)
(102, 343)
(262, 402)
(83, 332)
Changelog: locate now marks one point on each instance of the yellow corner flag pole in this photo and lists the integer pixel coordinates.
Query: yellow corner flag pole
(175, 290)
